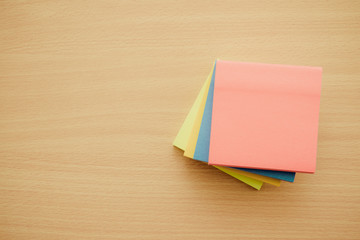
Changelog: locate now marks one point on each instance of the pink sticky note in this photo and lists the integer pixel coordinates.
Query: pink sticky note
(265, 116)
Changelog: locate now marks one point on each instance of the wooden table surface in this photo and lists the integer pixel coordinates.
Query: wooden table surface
(92, 94)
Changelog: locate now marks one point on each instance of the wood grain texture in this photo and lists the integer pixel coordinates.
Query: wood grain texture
(92, 94)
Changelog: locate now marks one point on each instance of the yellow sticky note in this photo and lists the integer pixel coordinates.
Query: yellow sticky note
(192, 140)
(248, 180)
(185, 131)
(272, 181)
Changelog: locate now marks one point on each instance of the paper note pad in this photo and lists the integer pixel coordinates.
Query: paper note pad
(265, 116)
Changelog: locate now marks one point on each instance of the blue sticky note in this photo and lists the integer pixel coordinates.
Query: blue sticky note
(203, 142)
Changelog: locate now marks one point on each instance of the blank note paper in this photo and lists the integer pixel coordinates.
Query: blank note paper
(265, 116)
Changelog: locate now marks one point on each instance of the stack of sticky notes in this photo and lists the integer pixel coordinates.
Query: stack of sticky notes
(256, 122)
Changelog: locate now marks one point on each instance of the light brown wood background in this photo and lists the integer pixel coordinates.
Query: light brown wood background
(92, 94)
